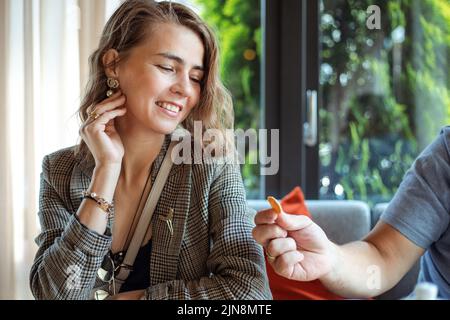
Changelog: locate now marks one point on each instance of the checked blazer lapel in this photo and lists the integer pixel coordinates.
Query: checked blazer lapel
(175, 197)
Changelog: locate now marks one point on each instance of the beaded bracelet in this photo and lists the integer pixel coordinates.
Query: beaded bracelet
(102, 203)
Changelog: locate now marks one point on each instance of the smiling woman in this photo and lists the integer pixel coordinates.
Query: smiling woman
(118, 219)
(161, 78)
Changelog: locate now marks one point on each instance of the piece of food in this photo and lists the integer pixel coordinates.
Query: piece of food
(276, 206)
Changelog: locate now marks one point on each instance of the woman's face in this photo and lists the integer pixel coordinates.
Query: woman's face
(161, 78)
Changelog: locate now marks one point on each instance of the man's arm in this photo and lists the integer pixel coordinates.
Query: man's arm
(301, 251)
(370, 267)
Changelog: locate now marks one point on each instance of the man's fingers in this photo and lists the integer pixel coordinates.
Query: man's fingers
(285, 264)
(279, 246)
(265, 232)
(291, 222)
(265, 217)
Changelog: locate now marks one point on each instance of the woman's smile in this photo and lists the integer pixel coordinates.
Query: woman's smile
(161, 78)
(170, 108)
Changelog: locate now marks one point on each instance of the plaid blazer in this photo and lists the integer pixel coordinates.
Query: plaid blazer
(211, 254)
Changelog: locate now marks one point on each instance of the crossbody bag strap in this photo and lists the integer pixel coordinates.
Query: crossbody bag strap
(146, 217)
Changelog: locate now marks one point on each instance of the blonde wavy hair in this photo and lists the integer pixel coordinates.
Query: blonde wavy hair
(127, 28)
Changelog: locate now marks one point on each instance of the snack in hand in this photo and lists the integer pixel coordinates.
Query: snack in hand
(276, 206)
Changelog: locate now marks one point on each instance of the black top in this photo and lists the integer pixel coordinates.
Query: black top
(139, 278)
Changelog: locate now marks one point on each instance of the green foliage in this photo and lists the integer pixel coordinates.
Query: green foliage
(238, 26)
(383, 91)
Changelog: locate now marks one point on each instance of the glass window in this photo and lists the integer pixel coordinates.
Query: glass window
(385, 92)
(238, 26)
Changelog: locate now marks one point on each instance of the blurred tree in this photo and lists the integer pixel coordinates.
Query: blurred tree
(238, 26)
(383, 90)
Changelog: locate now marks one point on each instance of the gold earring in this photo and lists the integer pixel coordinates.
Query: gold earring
(112, 84)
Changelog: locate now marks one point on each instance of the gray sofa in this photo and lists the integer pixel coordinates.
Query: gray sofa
(346, 221)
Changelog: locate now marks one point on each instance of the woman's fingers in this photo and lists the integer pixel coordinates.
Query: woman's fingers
(111, 98)
(106, 106)
(116, 100)
(114, 96)
(103, 120)
(109, 115)
(107, 110)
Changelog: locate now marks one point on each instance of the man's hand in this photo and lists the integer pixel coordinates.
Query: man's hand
(300, 248)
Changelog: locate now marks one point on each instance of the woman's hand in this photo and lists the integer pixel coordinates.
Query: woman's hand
(297, 248)
(100, 134)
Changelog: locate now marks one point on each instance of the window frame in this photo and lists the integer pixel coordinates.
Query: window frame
(290, 67)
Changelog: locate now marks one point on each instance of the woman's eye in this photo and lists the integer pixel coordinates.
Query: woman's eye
(196, 80)
(165, 68)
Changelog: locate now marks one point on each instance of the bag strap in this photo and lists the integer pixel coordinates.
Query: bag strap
(145, 219)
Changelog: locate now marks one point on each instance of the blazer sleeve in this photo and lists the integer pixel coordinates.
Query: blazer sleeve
(69, 254)
(236, 261)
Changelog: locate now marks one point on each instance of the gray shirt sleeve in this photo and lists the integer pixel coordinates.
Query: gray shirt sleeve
(420, 208)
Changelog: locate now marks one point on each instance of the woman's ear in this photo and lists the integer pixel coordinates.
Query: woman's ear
(110, 59)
